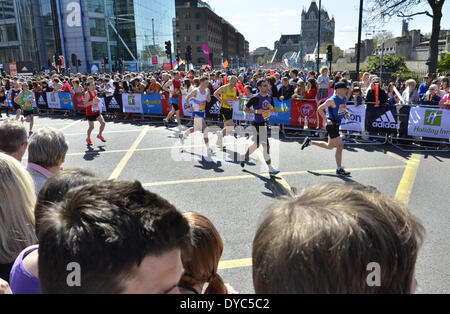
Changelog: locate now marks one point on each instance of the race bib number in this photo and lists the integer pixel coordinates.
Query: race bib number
(266, 114)
(202, 106)
(95, 108)
(28, 105)
(342, 110)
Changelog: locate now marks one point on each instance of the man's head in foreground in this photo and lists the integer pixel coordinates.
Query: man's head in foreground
(333, 239)
(13, 139)
(112, 237)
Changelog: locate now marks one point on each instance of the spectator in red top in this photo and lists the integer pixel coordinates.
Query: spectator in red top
(66, 88)
(311, 89)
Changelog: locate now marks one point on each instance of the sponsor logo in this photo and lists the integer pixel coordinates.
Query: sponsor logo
(433, 118)
(386, 121)
(131, 100)
(308, 110)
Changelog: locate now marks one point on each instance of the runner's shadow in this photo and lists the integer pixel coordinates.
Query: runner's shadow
(206, 164)
(277, 190)
(92, 154)
(345, 179)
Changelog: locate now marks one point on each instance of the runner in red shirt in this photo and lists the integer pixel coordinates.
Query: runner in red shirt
(93, 113)
(174, 88)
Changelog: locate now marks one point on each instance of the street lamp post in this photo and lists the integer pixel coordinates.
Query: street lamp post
(318, 36)
(358, 48)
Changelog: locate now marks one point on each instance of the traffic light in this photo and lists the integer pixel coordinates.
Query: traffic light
(330, 53)
(79, 63)
(168, 48)
(188, 53)
(74, 59)
(106, 61)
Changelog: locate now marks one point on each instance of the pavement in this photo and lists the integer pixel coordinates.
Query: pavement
(236, 200)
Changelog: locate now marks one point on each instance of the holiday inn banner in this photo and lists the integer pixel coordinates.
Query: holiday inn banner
(429, 122)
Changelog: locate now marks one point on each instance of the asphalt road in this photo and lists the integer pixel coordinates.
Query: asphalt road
(236, 200)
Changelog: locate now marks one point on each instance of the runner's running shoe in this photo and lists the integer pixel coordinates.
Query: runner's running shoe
(89, 141)
(341, 172)
(101, 138)
(274, 172)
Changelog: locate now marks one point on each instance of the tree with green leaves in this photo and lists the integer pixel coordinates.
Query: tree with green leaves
(444, 63)
(384, 10)
(337, 52)
(392, 65)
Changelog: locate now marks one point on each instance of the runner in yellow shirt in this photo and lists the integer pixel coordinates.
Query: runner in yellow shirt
(227, 94)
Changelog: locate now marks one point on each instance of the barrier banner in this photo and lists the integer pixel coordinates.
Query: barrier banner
(302, 111)
(132, 103)
(53, 101)
(78, 102)
(238, 111)
(66, 101)
(381, 120)
(41, 100)
(152, 104)
(213, 109)
(283, 112)
(357, 120)
(429, 122)
(166, 107)
(114, 104)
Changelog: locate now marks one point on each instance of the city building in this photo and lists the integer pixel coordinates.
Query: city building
(197, 24)
(260, 52)
(128, 33)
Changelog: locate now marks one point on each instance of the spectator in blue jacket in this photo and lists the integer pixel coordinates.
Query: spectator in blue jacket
(425, 86)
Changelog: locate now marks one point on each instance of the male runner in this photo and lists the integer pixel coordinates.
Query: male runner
(197, 100)
(93, 113)
(226, 94)
(25, 99)
(174, 88)
(15, 91)
(336, 110)
(262, 105)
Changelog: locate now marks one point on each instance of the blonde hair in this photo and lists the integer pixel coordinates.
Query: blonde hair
(17, 201)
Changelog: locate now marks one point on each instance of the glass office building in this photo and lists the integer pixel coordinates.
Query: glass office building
(132, 31)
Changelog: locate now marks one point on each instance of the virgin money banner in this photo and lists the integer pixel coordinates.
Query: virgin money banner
(357, 120)
(427, 122)
(152, 104)
(78, 102)
(305, 111)
(239, 113)
(132, 103)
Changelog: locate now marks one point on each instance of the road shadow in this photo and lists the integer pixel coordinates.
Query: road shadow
(92, 153)
(345, 179)
(207, 163)
(276, 189)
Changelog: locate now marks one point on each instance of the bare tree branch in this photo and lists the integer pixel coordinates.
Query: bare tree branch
(401, 14)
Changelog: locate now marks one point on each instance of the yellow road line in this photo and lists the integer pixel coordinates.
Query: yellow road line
(119, 168)
(237, 263)
(244, 177)
(406, 185)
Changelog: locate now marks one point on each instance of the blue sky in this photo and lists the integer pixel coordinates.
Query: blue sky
(263, 21)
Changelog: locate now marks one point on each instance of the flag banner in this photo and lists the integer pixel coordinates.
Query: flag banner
(381, 120)
(132, 103)
(283, 112)
(305, 112)
(152, 104)
(357, 119)
(429, 122)
(239, 113)
(41, 100)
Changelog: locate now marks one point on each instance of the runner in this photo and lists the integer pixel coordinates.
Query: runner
(93, 113)
(25, 99)
(226, 94)
(336, 111)
(3, 101)
(197, 100)
(174, 88)
(262, 105)
(14, 92)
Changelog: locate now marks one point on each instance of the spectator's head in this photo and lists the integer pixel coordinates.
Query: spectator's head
(411, 84)
(324, 71)
(200, 266)
(311, 84)
(356, 91)
(13, 139)
(428, 79)
(285, 81)
(301, 88)
(48, 148)
(328, 239)
(433, 89)
(294, 74)
(123, 238)
(17, 199)
(56, 188)
(346, 75)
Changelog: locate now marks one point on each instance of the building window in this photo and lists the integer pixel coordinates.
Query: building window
(187, 27)
(97, 27)
(99, 51)
(187, 15)
(199, 27)
(198, 15)
(199, 38)
(97, 6)
(8, 32)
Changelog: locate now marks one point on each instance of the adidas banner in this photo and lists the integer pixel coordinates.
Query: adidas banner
(429, 122)
(381, 120)
(41, 100)
(357, 119)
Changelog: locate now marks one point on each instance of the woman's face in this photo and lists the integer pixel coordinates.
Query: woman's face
(308, 85)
